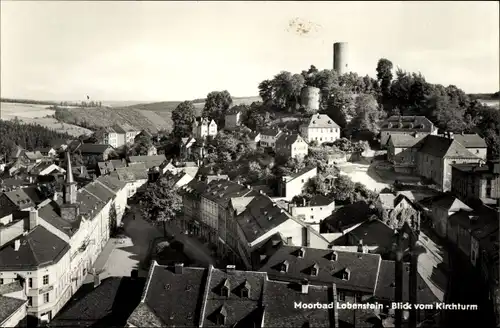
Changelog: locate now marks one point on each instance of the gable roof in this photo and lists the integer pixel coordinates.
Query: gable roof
(390, 201)
(111, 183)
(450, 203)
(287, 140)
(299, 173)
(149, 161)
(23, 197)
(260, 216)
(443, 147)
(117, 163)
(270, 132)
(107, 305)
(171, 298)
(137, 171)
(105, 167)
(239, 309)
(372, 232)
(320, 200)
(239, 204)
(348, 216)
(322, 121)
(38, 249)
(98, 190)
(399, 140)
(363, 267)
(9, 306)
(395, 123)
(50, 213)
(471, 140)
(221, 191)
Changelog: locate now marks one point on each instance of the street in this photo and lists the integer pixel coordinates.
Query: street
(122, 255)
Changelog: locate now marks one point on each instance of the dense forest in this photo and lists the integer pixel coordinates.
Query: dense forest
(28, 136)
(28, 101)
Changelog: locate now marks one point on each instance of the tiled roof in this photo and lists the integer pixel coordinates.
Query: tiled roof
(171, 298)
(24, 197)
(33, 155)
(149, 161)
(390, 201)
(239, 308)
(194, 188)
(399, 140)
(117, 163)
(50, 213)
(89, 204)
(99, 191)
(348, 216)
(108, 305)
(270, 132)
(439, 146)
(221, 191)
(93, 148)
(363, 267)
(476, 168)
(322, 121)
(279, 299)
(12, 287)
(111, 183)
(450, 203)
(37, 249)
(288, 139)
(386, 284)
(421, 123)
(260, 216)
(320, 200)
(132, 173)
(8, 306)
(471, 140)
(371, 232)
(239, 204)
(105, 167)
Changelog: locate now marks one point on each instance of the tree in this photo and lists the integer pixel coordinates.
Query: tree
(113, 219)
(384, 76)
(255, 117)
(325, 80)
(367, 115)
(216, 106)
(183, 117)
(340, 107)
(343, 189)
(140, 147)
(160, 202)
(266, 92)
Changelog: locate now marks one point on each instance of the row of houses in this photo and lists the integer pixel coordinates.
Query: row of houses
(48, 246)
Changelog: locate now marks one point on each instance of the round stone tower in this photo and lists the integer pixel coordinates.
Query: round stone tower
(340, 57)
(309, 98)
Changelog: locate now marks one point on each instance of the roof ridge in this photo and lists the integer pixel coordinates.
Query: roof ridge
(32, 248)
(205, 294)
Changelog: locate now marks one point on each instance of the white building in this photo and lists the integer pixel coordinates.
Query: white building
(313, 211)
(135, 176)
(292, 185)
(120, 134)
(203, 127)
(268, 137)
(321, 128)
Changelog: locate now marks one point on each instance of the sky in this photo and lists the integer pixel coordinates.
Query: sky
(160, 51)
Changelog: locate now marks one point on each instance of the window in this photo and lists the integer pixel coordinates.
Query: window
(289, 241)
(331, 130)
(30, 301)
(1, 281)
(341, 296)
(46, 298)
(244, 292)
(46, 279)
(84, 271)
(30, 282)
(358, 298)
(312, 217)
(477, 151)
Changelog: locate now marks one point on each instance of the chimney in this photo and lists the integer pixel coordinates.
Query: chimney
(248, 187)
(304, 202)
(450, 135)
(33, 219)
(54, 197)
(296, 170)
(179, 268)
(305, 286)
(230, 268)
(17, 244)
(261, 192)
(360, 246)
(97, 279)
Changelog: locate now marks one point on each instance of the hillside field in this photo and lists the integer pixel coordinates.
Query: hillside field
(38, 114)
(152, 116)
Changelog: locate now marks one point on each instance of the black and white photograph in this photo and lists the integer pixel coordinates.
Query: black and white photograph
(249, 164)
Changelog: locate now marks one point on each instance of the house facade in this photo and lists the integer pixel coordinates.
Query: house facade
(321, 128)
(292, 185)
(477, 180)
(269, 136)
(291, 146)
(203, 127)
(313, 211)
(396, 210)
(119, 135)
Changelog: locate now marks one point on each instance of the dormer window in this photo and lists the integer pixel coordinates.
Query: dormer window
(301, 252)
(346, 274)
(224, 291)
(333, 256)
(315, 270)
(284, 266)
(220, 317)
(245, 290)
